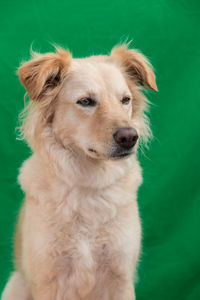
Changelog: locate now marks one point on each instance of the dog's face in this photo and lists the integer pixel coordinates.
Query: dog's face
(95, 103)
(94, 109)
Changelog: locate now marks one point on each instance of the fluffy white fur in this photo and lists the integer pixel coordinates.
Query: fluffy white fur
(79, 234)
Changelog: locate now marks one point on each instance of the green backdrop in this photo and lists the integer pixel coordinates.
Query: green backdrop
(168, 32)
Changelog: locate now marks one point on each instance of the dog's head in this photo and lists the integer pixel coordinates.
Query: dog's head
(94, 105)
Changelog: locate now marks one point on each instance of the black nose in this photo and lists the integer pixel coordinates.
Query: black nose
(126, 137)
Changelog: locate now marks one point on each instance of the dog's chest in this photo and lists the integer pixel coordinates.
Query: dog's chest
(84, 225)
(94, 225)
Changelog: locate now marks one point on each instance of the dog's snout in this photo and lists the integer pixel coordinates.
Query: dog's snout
(126, 137)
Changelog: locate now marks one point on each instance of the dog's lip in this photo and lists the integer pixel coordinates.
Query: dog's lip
(114, 156)
(92, 150)
(121, 155)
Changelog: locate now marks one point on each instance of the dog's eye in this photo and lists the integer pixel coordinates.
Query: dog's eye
(125, 100)
(87, 101)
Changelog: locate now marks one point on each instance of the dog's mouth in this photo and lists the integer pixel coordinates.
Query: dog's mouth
(115, 155)
(92, 150)
(121, 155)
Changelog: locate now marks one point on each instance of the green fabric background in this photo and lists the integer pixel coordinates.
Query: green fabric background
(168, 32)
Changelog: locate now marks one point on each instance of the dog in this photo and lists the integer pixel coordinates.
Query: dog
(79, 232)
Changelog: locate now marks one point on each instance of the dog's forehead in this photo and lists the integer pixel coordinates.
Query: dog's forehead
(89, 76)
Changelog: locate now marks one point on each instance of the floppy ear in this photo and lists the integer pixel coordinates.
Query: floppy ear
(43, 75)
(135, 65)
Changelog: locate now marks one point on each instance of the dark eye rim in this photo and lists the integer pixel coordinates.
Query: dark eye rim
(91, 102)
(126, 100)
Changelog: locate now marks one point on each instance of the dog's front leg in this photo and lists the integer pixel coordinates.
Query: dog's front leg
(121, 290)
(58, 278)
(42, 277)
(45, 290)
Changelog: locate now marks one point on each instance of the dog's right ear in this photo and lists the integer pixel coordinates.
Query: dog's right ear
(43, 75)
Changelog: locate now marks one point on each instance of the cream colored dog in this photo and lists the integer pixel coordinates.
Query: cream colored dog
(78, 235)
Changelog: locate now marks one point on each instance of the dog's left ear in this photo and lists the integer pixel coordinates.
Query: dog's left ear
(135, 65)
